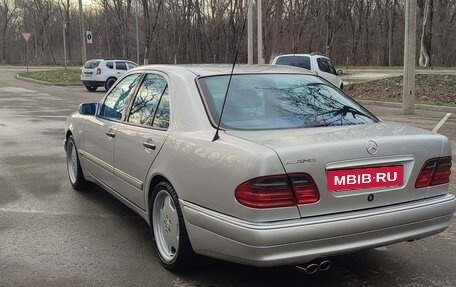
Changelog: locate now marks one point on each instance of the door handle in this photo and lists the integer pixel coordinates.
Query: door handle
(149, 145)
(110, 133)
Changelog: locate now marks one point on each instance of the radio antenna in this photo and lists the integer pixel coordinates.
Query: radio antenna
(216, 136)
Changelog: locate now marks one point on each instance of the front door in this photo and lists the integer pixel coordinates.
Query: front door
(100, 132)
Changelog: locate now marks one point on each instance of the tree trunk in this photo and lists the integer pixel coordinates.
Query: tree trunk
(426, 34)
(391, 31)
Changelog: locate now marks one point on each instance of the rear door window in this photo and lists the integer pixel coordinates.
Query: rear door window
(110, 65)
(161, 119)
(144, 107)
(297, 61)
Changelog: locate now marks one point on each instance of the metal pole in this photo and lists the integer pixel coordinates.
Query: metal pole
(64, 46)
(137, 34)
(27, 55)
(408, 89)
(83, 37)
(260, 31)
(250, 32)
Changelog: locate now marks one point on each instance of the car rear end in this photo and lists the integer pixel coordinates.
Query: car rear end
(356, 182)
(91, 73)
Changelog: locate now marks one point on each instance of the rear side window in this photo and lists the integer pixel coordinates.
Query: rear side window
(280, 101)
(121, 66)
(92, 64)
(297, 61)
(110, 65)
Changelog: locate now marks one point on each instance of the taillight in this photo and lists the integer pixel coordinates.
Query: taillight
(434, 172)
(277, 191)
(305, 189)
(98, 71)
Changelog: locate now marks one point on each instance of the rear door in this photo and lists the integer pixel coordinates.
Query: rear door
(100, 132)
(140, 137)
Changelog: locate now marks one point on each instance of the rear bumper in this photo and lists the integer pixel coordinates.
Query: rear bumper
(93, 83)
(294, 242)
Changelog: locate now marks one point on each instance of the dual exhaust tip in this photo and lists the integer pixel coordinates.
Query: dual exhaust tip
(313, 268)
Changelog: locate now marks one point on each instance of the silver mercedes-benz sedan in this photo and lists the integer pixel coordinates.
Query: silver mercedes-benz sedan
(265, 166)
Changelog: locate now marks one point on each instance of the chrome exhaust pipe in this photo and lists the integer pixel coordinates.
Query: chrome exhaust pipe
(325, 265)
(309, 269)
(313, 268)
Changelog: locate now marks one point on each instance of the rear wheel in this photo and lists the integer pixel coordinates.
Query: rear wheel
(91, 88)
(168, 228)
(74, 169)
(109, 83)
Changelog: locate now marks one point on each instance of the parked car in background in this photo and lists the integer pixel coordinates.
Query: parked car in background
(315, 62)
(298, 171)
(104, 72)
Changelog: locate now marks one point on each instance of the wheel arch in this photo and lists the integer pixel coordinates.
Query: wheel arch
(68, 133)
(107, 80)
(156, 179)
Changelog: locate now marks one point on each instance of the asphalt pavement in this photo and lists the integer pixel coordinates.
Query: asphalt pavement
(51, 235)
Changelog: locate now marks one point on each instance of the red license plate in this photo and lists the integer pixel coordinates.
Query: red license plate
(365, 178)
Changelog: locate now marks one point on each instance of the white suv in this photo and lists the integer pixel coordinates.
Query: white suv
(315, 62)
(104, 72)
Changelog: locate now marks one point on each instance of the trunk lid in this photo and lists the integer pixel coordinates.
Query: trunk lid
(320, 152)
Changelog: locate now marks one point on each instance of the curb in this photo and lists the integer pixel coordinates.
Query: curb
(47, 83)
(447, 109)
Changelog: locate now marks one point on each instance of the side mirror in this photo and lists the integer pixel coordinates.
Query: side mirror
(88, 109)
(340, 72)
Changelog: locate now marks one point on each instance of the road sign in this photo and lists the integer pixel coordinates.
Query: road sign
(100, 39)
(89, 37)
(26, 35)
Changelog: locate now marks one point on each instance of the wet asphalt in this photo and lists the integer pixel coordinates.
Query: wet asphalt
(51, 235)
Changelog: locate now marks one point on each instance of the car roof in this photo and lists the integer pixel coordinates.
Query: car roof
(225, 69)
(110, 59)
(302, 55)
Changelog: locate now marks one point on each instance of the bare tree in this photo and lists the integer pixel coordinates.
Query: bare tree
(8, 10)
(427, 8)
(150, 8)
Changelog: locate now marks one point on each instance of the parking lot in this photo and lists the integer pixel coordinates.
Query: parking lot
(51, 235)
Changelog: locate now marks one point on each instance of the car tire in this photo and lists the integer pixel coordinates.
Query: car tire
(91, 88)
(74, 169)
(109, 83)
(168, 228)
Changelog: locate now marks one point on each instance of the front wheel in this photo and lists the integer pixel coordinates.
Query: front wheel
(168, 228)
(74, 169)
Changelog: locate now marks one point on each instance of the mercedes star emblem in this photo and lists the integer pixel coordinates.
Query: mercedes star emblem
(371, 147)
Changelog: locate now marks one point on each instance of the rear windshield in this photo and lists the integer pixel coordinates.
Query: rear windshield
(92, 64)
(280, 101)
(297, 61)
